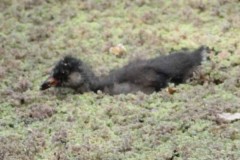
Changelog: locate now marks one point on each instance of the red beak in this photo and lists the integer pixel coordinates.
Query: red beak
(50, 82)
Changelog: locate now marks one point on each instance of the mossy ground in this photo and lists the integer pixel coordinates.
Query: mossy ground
(60, 126)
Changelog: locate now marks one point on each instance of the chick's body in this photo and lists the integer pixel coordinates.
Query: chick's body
(142, 75)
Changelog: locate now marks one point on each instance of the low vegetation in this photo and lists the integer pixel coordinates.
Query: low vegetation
(178, 123)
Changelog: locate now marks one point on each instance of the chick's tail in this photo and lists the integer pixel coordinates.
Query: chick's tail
(200, 55)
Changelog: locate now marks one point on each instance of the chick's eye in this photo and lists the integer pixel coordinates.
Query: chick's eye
(60, 75)
(66, 72)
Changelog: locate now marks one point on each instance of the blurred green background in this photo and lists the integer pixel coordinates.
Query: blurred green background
(62, 125)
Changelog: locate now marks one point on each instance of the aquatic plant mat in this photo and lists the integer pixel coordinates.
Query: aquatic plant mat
(179, 123)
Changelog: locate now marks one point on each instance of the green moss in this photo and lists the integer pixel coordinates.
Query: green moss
(34, 35)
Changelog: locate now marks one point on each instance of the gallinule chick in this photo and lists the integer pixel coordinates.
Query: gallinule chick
(141, 75)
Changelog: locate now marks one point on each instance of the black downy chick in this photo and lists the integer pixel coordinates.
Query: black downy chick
(142, 75)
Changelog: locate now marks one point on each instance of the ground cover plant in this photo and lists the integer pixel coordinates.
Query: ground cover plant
(179, 122)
